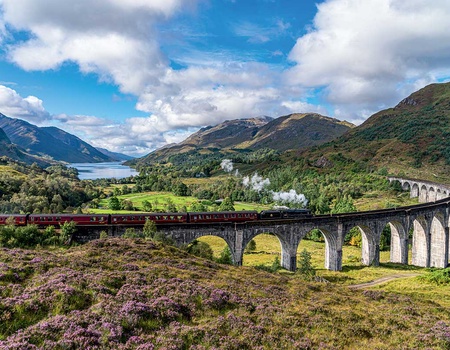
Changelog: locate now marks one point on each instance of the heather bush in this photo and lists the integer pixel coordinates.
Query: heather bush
(138, 294)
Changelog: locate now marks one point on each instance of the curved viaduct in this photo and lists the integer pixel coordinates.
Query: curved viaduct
(427, 224)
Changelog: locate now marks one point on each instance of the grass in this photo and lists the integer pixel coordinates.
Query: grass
(354, 272)
(160, 199)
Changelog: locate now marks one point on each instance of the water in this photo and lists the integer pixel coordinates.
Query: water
(90, 171)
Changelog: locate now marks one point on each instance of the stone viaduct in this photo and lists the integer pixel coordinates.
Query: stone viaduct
(425, 226)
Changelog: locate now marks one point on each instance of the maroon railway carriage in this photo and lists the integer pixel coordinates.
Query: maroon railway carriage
(57, 219)
(223, 216)
(157, 218)
(18, 219)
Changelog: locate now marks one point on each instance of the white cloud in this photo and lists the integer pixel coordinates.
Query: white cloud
(29, 108)
(361, 51)
(362, 55)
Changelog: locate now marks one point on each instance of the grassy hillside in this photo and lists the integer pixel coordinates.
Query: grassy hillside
(133, 294)
(410, 139)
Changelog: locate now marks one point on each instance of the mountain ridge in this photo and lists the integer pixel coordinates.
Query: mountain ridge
(50, 142)
(293, 131)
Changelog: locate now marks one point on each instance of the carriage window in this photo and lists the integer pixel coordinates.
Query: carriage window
(239, 215)
(172, 217)
(164, 217)
(195, 217)
(216, 216)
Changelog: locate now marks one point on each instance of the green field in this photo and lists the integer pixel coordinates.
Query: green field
(160, 199)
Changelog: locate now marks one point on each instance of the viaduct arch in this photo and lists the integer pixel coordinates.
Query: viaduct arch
(428, 222)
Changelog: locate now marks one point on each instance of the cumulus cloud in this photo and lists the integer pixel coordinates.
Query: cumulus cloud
(118, 41)
(369, 54)
(29, 108)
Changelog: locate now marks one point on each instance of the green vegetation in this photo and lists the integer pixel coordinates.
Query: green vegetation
(30, 189)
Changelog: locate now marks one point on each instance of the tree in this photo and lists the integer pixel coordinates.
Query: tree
(305, 267)
(200, 249)
(197, 207)
(180, 189)
(226, 205)
(126, 205)
(149, 229)
(147, 206)
(251, 246)
(114, 203)
(68, 229)
(344, 205)
(130, 232)
(225, 256)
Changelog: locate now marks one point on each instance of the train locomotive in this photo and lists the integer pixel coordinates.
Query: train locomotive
(44, 220)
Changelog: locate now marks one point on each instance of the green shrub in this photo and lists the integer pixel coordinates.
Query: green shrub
(200, 249)
(225, 256)
(305, 268)
(440, 277)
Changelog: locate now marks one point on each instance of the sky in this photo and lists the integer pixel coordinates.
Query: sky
(134, 75)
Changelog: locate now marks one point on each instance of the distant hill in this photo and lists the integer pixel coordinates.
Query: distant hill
(412, 138)
(50, 142)
(120, 157)
(294, 131)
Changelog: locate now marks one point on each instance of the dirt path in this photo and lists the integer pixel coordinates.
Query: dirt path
(382, 280)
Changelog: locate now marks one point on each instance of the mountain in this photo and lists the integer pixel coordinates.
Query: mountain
(120, 157)
(228, 134)
(50, 142)
(294, 131)
(297, 131)
(10, 150)
(412, 138)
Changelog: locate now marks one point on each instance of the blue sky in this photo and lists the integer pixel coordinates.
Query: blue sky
(133, 75)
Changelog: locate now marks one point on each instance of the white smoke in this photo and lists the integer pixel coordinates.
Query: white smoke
(290, 197)
(256, 182)
(227, 165)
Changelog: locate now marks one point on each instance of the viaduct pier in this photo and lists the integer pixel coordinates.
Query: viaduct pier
(425, 226)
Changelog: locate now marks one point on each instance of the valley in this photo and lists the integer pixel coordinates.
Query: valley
(141, 289)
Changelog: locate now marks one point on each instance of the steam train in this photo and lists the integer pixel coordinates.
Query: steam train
(44, 220)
